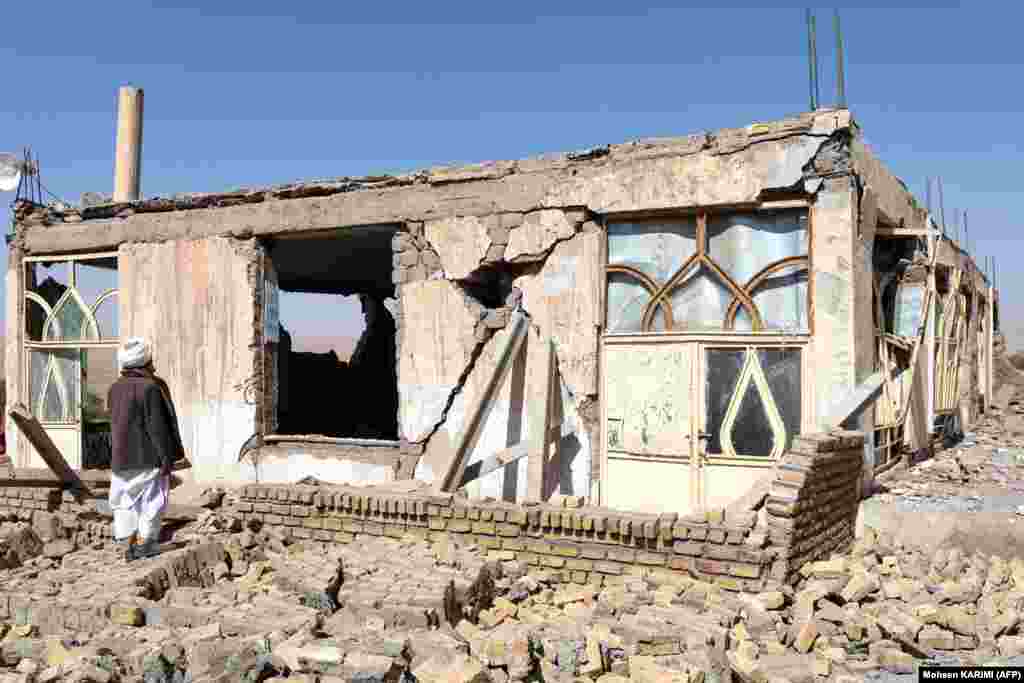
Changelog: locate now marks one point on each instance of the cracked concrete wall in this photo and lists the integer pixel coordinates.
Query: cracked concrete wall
(194, 300)
(448, 356)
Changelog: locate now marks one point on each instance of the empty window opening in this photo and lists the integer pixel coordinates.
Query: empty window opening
(335, 357)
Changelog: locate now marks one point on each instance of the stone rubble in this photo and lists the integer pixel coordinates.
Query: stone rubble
(387, 609)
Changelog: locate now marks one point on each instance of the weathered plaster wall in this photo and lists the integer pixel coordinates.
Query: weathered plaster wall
(436, 346)
(834, 248)
(363, 460)
(195, 301)
(863, 279)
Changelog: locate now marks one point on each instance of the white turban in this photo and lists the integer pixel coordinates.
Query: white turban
(134, 353)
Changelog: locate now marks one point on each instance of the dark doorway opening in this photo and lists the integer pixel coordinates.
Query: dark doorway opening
(335, 359)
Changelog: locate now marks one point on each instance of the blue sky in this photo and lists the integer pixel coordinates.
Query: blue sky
(258, 93)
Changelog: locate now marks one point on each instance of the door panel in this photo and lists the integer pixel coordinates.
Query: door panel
(724, 483)
(55, 393)
(649, 413)
(647, 485)
(751, 410)
(690, 426)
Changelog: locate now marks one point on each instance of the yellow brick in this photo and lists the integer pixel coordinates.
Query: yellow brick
(127, 615)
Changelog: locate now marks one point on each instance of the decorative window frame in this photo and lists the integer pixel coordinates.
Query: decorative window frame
(742, 294)
(53, 371)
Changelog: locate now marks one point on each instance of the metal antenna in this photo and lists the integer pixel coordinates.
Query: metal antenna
(956, 225)
(814, 58)
(840, 77)
(966, 237)
(942, 207)
(810, 58)
(928, 193)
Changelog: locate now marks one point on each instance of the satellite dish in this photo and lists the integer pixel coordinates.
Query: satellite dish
(10, 172)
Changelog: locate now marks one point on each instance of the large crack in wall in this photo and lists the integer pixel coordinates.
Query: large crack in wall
(476, 272)
(553, 257)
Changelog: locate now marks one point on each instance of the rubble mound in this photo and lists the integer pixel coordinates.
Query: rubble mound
(251, 605)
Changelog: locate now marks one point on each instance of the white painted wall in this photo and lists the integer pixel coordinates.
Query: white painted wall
(194, 302)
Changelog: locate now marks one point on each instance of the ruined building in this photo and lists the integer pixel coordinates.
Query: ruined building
(647, 325)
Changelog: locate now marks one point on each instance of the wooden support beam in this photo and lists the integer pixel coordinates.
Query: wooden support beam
(48, 451)
(506, 456)
(540, 370)
(864, 393)
(519, 325)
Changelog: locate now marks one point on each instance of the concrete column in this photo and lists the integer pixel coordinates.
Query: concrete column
(128, 163)
(842, 348)
(14, 328)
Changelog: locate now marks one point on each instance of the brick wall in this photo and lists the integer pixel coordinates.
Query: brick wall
(570, 542)
(812, 502)
(810, 509)
(24, 500)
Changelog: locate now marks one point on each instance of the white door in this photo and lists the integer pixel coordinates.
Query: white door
(649, 426)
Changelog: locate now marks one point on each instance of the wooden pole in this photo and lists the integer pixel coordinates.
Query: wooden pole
(128, 163)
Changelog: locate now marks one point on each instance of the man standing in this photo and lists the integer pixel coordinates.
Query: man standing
(145, 444)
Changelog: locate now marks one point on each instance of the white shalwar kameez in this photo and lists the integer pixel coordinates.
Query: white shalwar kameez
(138, 499)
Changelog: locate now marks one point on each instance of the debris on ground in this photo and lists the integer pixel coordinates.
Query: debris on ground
(232, 602)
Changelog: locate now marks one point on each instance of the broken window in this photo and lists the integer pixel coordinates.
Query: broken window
(71, 337)
(736, 271)
(908, 308)
(752, 400)
(335, 349)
